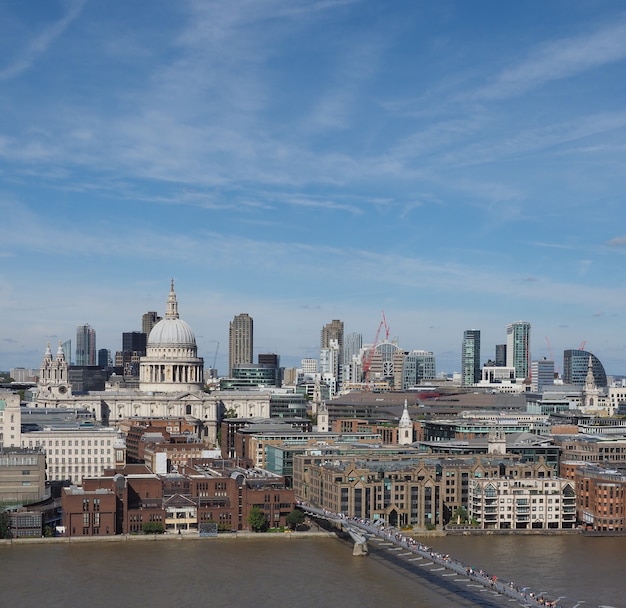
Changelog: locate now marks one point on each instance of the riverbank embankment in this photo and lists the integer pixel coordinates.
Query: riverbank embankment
(123, 538)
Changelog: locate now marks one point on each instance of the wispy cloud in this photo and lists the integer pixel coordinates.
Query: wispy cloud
(559, 59)
(39, 44)
(618, 241)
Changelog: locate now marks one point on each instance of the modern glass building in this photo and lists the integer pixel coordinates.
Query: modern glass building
(518, 348)
(418, 365)
(249, 376)
(501, 355)
(576, 364)
(134, 341)
(352, 347)
(542, 374)
(470, 357)
(85, 345)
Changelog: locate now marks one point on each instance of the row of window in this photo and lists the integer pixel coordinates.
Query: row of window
(76, 452)
(103, 460)
(61, 442)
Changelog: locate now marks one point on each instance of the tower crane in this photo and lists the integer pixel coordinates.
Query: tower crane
(367, 357)
(215, 358)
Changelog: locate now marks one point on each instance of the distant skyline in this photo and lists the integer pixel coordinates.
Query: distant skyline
(458, 165)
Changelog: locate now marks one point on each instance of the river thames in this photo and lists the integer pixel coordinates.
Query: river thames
(306, 573)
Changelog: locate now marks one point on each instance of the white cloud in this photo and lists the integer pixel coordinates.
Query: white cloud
(39, 43)
(559, 59)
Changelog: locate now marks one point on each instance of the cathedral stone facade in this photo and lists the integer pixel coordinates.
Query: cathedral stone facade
(170, 384)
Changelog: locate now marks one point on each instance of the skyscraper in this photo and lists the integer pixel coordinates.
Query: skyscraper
(470, 357)
(104, 358)
(240, 341)
(501, 355)
(352, 347)
(518, 348)
(85, 345)
(148, 321)
(331, 349)
(332, 331)
(67, 351)
(352, 358)
(134, 341)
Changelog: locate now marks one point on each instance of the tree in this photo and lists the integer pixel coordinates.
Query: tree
(257, 520)
(295, 518)
(5, 525)
(460, 516)
(153, 527)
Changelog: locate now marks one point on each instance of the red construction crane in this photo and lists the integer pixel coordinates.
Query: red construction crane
(367, 357)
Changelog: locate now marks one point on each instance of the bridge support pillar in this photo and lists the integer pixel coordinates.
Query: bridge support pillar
(360, 549)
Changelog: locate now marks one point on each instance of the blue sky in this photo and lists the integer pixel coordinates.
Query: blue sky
(454, 164)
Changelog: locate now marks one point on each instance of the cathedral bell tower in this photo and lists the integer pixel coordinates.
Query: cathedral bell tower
(53, 376)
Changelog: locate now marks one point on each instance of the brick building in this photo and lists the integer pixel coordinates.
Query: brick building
(600, 496)
(89, 512)
(203, 491)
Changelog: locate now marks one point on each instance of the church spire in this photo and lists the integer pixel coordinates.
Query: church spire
(590, 381)
(405, 427)
(172, 305)
(60, 353)
(405, 419)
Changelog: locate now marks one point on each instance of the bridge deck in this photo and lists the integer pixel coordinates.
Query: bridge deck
(415, 551)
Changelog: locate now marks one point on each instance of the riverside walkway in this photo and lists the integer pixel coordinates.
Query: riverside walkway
(421, 555)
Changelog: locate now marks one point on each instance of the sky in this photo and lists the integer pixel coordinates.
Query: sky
(452, 165)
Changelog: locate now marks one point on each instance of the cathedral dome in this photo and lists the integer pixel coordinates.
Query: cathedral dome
(171, 363)
(172, 332)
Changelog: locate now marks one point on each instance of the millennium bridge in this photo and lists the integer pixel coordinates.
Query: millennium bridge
(400, 545)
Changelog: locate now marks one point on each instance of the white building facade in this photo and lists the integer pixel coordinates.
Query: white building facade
(534, 503)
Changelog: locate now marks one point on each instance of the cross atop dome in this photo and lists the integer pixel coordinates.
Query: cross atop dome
(172, 305)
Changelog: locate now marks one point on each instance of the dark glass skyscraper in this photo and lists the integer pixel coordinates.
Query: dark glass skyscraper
(501, 355)
(85, 345)
(576, 365)
(134, 341)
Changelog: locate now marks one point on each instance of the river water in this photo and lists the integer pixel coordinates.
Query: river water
(301, 573)
(579, 568)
